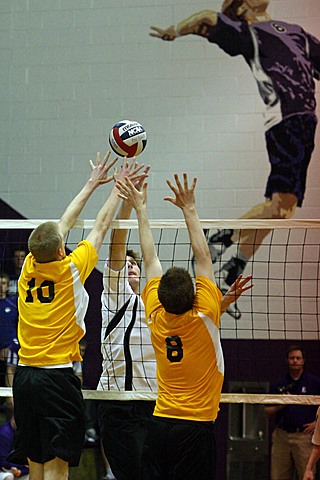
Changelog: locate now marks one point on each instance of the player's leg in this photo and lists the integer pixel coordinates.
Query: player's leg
(49, 415)
(36, 470)
(189, 441)
(156, 450)
(123, 428)
(281, 205)
(290, 145)
(56, 469)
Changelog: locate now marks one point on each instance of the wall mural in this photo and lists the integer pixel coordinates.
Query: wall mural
(284, 60)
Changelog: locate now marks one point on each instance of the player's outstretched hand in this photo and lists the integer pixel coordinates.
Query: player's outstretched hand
(136, 196)
(238, 287)
(139, 180)
(131, 170)
(168, 34)
(184, 194)
(99, 171)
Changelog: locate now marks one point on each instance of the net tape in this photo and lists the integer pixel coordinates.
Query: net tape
(251, 398)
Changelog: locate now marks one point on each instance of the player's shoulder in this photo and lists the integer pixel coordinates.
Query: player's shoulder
(205, 282)
(84, 248)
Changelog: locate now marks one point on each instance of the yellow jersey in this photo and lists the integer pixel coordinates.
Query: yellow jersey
(52, 305)
(190, 364)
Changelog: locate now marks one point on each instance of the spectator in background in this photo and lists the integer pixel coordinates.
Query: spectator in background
(8, 323)
(291, 439)
(17, 259)
(8, 470)
(11, 366)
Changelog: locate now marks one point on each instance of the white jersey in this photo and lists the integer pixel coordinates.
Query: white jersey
(128, 356)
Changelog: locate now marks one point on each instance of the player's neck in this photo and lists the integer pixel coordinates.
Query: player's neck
(296, 374)
(252, 18)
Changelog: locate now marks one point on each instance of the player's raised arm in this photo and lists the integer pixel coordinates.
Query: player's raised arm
(104, 218)
(185, 199)
(99, 176)
(138, 200)
(118, 237)
(200, 23)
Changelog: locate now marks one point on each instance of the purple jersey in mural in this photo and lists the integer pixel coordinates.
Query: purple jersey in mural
(284, 60)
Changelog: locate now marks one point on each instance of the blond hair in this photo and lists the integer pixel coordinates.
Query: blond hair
(44, 242)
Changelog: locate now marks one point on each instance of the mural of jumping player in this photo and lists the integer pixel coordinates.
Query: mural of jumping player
(284, 60)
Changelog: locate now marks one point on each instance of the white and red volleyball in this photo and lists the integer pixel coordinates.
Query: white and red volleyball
(128, 138)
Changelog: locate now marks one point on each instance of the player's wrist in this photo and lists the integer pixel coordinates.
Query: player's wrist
(92, 184)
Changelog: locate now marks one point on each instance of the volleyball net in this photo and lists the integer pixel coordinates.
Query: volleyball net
(282, 308)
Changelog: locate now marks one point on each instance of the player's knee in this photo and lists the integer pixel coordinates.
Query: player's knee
(283, 205)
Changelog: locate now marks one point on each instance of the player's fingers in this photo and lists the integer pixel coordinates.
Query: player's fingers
(122, 187)
(172, 186)
(137, 169)
(177, 179)
(185, 180)
(194, 183)
(110, 165)
(169, 199)
(158, 30)
(105, 159)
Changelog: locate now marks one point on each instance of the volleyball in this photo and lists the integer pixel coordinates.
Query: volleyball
(128, 138)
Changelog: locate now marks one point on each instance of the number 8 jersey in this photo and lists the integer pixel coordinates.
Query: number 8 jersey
(190, 365)
(52, 305)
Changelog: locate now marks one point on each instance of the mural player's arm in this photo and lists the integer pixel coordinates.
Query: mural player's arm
(201, 23)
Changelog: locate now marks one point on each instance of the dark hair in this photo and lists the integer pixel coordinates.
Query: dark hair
(176, 291)
(135, 256)
(230, 9)
(292, 348)
(5, 276)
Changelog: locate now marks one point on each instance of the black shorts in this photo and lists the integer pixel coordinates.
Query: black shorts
(49, 413)
(123, 429)
(181, 449)
(290, 144)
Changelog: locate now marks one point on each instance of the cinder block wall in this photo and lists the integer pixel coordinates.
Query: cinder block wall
(70, 69)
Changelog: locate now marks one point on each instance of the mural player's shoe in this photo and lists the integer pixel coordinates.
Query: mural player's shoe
(219, 242)
(228, 274)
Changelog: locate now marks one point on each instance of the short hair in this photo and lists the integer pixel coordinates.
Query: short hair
(176, 290)
(230, 7)
(44, 242)
(292, 348)
(5, 276)
(135, 256)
